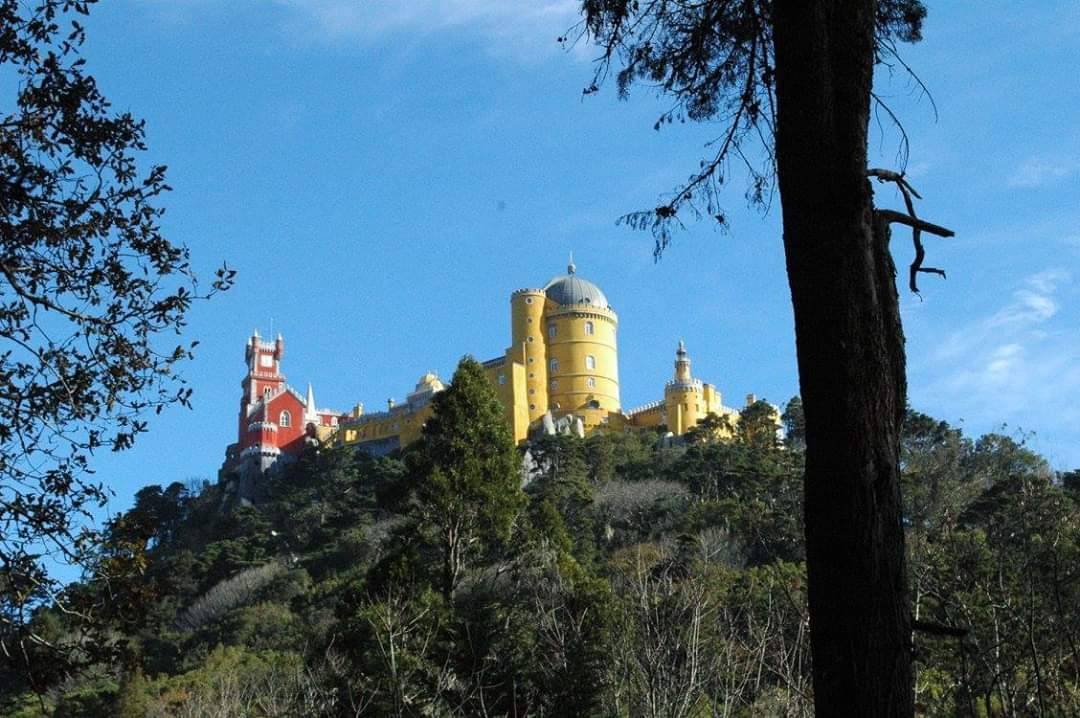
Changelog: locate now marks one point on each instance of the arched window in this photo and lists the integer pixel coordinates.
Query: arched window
(590, 382)
(590, 362)
(554, 384)
(285, 419)
(589, 328)
(266, 394)
(554, 365)
(551, 331)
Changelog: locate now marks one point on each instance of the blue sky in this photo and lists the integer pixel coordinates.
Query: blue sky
(384, 174)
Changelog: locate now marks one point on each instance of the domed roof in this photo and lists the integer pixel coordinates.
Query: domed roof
(570, 289)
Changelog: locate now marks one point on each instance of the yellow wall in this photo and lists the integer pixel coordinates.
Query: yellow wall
(528, 385)
(569, 344)
(527, 347)
(510, 380)
(398, 422)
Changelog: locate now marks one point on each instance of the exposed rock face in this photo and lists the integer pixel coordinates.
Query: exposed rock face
(563, 426)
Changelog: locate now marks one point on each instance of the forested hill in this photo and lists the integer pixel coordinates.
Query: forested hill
(630, 577)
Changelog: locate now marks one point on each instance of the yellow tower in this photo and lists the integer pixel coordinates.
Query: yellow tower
(582, 355)
(527, 307)
(684, 396)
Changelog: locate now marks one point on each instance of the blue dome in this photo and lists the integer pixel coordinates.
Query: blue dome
(570, 289)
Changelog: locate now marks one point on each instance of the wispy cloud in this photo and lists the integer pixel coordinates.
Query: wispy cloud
(506, 26)
(1033, 304)
(1018, 364)
(1041, 171)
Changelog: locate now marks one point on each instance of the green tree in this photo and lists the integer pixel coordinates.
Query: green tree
(467, 474)
(561, 479)
(757, 426)
(797, 75)
(936, 483)
(1006, 576)
(794, 420)
(711, 428)
(91, 292)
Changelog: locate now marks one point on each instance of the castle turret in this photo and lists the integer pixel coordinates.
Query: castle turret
(264, 379)
(582, 353)
(683, 395)
(682, 364)
(527, 348)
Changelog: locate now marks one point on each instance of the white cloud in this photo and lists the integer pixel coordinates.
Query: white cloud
(1041, 171)
(524, 28)
(1019, 364)
(1034, 303)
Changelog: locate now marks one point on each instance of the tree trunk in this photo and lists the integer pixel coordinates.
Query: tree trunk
(851, 359)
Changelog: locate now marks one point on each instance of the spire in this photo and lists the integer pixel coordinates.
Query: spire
(682, 364)
(571, 268)
(311, 415)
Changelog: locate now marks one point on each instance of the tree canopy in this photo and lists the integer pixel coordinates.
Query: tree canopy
(467, 472)
(641, 577)
(92, 295)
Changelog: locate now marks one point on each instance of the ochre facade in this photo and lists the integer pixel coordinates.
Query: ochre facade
(559, 374)
(561, 369)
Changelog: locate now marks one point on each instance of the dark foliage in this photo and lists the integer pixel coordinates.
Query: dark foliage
(89, 292)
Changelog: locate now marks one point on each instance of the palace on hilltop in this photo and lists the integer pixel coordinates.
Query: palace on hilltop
(559, 374)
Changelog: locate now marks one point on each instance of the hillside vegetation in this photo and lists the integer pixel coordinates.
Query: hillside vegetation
(628, 577)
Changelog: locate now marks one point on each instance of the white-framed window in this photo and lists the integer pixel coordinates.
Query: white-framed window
(266, 394)
(554, 384)
(285, 419)
(265, 360)
(589, 328)
(552, 331)
(502, 378)
(591, 382)
(554, 365)
(528, 300)
(590, 362)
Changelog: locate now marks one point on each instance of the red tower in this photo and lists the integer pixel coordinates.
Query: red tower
(275, 422)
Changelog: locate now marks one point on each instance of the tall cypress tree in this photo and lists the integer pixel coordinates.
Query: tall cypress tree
(467, 474)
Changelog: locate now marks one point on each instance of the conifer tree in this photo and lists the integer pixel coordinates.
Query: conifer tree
(467, 474)
(791, 82)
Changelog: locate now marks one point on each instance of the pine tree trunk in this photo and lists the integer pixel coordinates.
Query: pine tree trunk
(851, 359)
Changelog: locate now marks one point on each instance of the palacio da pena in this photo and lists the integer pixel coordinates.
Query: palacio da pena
(559, 374)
